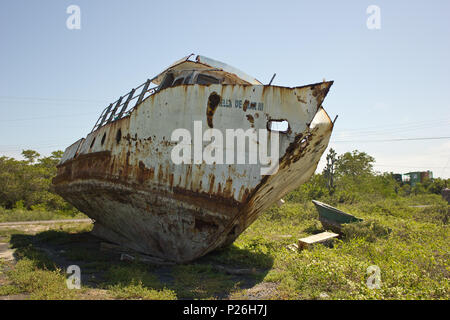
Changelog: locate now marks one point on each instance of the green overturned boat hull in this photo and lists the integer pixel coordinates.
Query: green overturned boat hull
(332, 218)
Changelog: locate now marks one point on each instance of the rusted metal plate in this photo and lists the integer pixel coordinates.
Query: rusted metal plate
(124, 177)
(71, 151)
(227, 68)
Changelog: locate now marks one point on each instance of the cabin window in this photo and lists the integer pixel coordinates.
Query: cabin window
(167, 81)
(188, 78)
(207, 79)
(278, 125)
(178, 81)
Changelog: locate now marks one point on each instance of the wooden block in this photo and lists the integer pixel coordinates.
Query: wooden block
(293, 247)
(280, 202)
(304, 243)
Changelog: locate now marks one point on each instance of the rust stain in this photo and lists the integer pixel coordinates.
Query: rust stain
(171, 180)
(144, 173)
(188, 176)
(245, 106)
(211, 183)
(213, 102)
(160, 174)
(301, 100)
(319, 91)
(227, 190)
(251, 120)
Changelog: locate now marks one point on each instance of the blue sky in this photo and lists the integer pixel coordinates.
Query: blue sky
(390, 83)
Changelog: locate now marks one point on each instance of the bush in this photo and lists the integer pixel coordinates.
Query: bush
(370, 230)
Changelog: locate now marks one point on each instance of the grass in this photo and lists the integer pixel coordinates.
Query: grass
(200, 281)
(13, 215)
(137, 291)
(409, 245)
(29, 277)
(135, 281)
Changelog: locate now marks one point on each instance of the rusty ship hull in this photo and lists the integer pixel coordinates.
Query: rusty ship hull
(121, 175)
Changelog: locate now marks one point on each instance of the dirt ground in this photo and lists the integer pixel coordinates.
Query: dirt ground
(83, 249)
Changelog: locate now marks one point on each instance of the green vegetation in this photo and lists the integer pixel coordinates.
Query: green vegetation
(13, 215)
(405, 233)
(411, 251)
(25, 192)
(136, 282)
(349, 178)
(39, 283)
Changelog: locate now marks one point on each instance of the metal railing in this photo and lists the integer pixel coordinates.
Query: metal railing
(121, 107)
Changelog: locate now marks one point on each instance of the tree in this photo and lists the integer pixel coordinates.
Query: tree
(57, 155)
(435, 185)
(51, 162)
(27, 183)
(329, 171)
(354, 164)
(30, 155)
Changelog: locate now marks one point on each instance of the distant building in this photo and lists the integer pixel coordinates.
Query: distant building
(413, 178)
(418, 177)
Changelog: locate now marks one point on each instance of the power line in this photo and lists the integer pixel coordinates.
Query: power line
(45, 99)
(390, 140)
(368, 134)
(401, 166)
(49, 117)
(397, 125)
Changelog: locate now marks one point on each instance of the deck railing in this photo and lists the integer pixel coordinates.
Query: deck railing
(121, 107)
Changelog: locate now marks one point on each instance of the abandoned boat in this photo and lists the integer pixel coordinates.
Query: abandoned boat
(123, 174)
(333, 218)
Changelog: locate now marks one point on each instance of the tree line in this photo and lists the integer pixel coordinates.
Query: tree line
(348, 177)
(25, 184)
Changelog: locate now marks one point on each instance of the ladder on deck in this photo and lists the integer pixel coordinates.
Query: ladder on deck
(120, 108)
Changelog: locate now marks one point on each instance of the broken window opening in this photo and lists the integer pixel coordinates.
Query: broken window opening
(188, 78)
(178, 81)
(206, 79)
(278, 125)
(167, 81)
